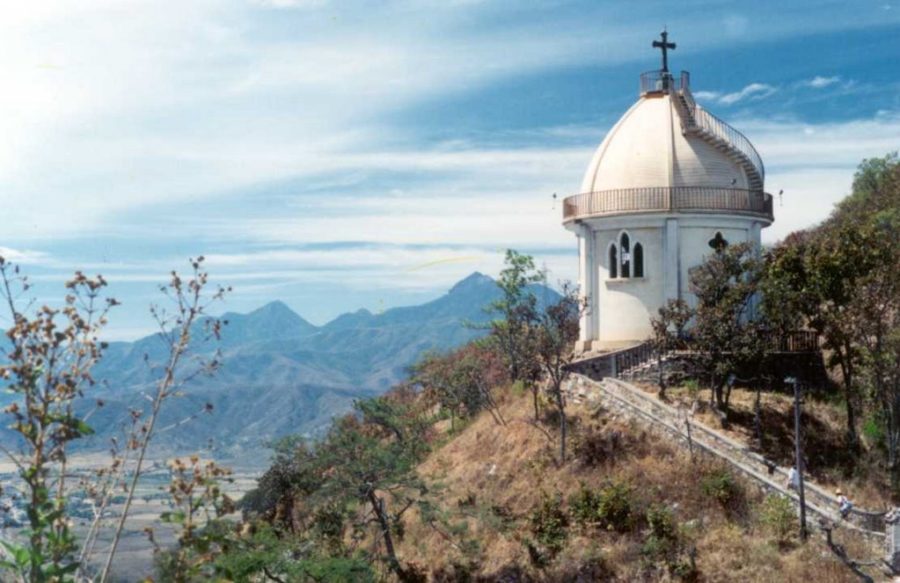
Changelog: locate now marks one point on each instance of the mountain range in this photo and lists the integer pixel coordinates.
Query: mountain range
(282, 375)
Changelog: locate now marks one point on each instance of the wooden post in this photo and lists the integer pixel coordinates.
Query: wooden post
(798, 455)
(687, 425)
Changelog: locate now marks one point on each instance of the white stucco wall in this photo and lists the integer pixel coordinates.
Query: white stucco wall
(625, 304)
(621, 308)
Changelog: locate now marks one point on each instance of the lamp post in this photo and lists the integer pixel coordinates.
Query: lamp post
(798, 454)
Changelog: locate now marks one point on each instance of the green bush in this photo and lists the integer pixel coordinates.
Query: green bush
(615, 506)
(692, 386)
(328, 526)
(777, 514)
(721, 485)
(661, 522)
(548, 523)
(873, 430)
(583, 506)
(661, 543)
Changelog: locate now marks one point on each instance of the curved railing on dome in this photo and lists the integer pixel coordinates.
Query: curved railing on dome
(668, 199)
(711, 124)
(659, 82)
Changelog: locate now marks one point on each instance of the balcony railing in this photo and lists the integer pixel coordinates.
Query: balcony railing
(660, 82)
(668, 199)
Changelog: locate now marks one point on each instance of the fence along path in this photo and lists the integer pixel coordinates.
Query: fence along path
(625, 397)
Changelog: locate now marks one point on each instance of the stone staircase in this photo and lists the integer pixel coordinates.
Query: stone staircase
(618, 395)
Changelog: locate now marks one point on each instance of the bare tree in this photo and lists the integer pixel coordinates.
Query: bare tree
(557, 332)
(47, 368)
(668, 330)
(177, 327)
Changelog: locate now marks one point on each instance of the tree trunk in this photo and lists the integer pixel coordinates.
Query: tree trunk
(757, 417)
(892, 439)
(662, 378)
(378, 507)
(534, 396)
(562, 424)
(852, 437)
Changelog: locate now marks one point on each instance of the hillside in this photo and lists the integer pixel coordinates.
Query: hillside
(282, 375)
(487, 499)
(493, 479)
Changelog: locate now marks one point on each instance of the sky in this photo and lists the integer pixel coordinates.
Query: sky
(345, 155)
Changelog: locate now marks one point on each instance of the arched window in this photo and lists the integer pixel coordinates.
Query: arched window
(638, 260)
(625, 244)
(613, 262)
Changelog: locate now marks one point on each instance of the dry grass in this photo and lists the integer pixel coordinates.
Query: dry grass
(488, 478)
(829, 463)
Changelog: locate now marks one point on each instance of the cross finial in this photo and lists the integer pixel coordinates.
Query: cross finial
(664, 45)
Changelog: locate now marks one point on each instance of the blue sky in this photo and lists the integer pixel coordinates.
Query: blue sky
(338, 155)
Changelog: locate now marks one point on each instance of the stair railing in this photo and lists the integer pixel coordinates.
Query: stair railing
(712, 125)
(630, 358)
(719, 129)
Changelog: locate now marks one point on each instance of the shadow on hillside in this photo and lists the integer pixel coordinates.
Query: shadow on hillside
(823, 446)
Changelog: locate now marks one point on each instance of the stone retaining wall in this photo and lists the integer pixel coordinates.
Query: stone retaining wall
(631, 401)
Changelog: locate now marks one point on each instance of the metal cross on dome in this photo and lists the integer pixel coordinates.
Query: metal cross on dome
(664, 45)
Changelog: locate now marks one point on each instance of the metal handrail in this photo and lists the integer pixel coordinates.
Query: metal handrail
(686, 94)
(703, 120)
(667, 199)
(629, 358)
(721, 130)
(662, 82)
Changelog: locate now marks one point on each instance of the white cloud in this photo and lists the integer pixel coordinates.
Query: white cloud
(281, 4)
(753, 91)
(113, 106)
(819, 82)
(814, 163)
(22, 257)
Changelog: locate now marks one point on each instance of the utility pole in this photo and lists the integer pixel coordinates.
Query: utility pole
(798, 455)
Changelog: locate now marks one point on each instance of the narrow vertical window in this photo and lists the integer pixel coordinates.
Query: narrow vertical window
(625, 244)
(638, 260)
(613, 262)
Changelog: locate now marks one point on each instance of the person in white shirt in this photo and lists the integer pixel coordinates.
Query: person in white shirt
(844, 504)
(793, 481)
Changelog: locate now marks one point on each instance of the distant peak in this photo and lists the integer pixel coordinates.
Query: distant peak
(474, 281)
(276, 307)
(278, 311)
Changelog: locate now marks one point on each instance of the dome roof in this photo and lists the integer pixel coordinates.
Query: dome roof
(648, 148)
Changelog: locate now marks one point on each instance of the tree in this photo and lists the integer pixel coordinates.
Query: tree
(842, 278)
(373, 462)
(514, 330)
(462, 381)
(556, 336)
(837, 261)
(785, 286)
(47, 368)
(874, 313)
(728, 336)
(668, 332)
(198, 508)
(185, 321)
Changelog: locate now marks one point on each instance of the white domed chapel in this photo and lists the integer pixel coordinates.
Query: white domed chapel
(669, 184)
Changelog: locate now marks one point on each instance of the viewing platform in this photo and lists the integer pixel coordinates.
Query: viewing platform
(668, 199)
